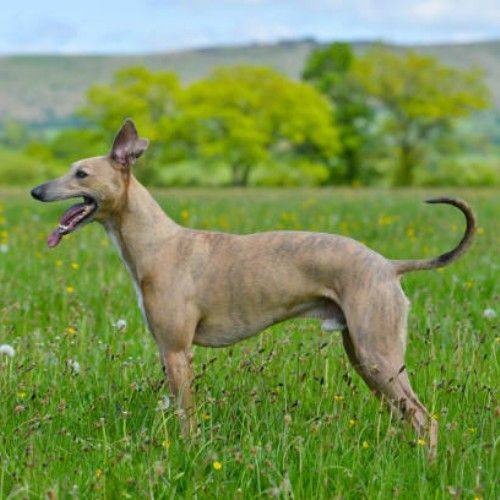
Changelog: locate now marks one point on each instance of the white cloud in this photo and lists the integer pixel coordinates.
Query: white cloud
(259, 31)
(432, 10)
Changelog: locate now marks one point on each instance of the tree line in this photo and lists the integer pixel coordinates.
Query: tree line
(350, 120)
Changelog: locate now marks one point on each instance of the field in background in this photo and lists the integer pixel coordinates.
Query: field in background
(281, 414)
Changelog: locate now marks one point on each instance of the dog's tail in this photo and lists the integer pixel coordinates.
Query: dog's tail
(404, 266)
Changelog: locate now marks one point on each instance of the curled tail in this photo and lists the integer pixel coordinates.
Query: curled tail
(404, 266)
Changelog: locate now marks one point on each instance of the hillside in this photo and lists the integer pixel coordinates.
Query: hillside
(47, 89)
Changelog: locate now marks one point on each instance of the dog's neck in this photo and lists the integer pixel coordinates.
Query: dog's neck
(140, 228)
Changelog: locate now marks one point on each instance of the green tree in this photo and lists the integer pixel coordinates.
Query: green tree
(243, 116)
(149, 97)
(419, 99)
(330, 70)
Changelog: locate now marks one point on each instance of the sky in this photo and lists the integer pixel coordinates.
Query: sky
(143, 26)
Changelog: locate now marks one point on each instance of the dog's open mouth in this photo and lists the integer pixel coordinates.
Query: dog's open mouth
(74, 217)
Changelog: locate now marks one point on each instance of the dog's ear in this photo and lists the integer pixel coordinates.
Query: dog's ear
(127, 146)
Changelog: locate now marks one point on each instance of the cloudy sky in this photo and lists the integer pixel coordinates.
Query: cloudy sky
(135, 26)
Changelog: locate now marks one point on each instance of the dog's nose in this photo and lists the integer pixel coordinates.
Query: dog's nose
(37, 192)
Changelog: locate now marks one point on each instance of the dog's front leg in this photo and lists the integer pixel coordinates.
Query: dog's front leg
(180, 377)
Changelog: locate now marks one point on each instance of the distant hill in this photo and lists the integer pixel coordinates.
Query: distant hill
(47, 89)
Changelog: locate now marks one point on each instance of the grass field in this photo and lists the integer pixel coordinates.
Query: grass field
(282, 414)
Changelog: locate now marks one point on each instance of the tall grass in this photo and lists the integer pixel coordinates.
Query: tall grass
(82, 407)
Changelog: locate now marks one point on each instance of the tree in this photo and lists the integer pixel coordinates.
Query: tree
(330, 70)
(245, 115)
(150, 98)
(419, 100)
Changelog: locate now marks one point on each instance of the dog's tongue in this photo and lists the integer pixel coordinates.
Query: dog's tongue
(54, 238)
(66, 224)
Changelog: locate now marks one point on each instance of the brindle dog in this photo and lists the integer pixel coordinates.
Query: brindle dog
(214, 289)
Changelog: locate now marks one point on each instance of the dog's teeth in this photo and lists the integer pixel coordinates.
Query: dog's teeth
(63, 228)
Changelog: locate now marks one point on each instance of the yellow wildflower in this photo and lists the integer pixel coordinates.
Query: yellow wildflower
(185, 214)
(71, 330)
(338, 397)
(59, 263)
(75, 265)
(421, 442)
(99, 472)
(70, 289)
(410, 232)
(352, 422)
(365, 445)
(386, 220)
(21, 394)
(166, 444)
(217, 465)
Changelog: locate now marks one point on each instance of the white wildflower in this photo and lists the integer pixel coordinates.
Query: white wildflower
(8, 350)
(74, 366)
(164, 403)
(120, 324)
(4, 248)
(489, 313)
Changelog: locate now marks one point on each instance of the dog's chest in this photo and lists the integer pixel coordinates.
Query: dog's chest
(137, 288)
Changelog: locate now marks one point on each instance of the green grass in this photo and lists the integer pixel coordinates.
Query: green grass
(283, 413)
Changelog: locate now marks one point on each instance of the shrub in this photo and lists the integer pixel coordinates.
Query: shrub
(20, 169)
(466, 172)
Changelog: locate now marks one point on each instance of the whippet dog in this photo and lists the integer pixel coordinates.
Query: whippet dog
(214, 289)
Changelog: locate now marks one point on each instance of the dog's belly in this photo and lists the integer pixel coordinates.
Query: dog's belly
(221, 332)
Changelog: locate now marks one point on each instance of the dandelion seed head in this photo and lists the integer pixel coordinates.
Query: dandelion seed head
(164, 403)
(120, 324)
(8, 350)
(74, 366)
(489, 313)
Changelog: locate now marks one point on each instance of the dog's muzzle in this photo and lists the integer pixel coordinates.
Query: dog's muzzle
(38, 192)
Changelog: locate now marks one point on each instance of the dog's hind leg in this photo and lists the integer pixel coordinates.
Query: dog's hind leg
(375, 343)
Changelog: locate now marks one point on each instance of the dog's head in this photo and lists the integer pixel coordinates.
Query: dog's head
(102, 182)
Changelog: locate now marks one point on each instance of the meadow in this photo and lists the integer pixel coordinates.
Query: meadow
(83, 408)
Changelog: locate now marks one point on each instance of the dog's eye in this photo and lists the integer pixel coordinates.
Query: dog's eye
(81, 174)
